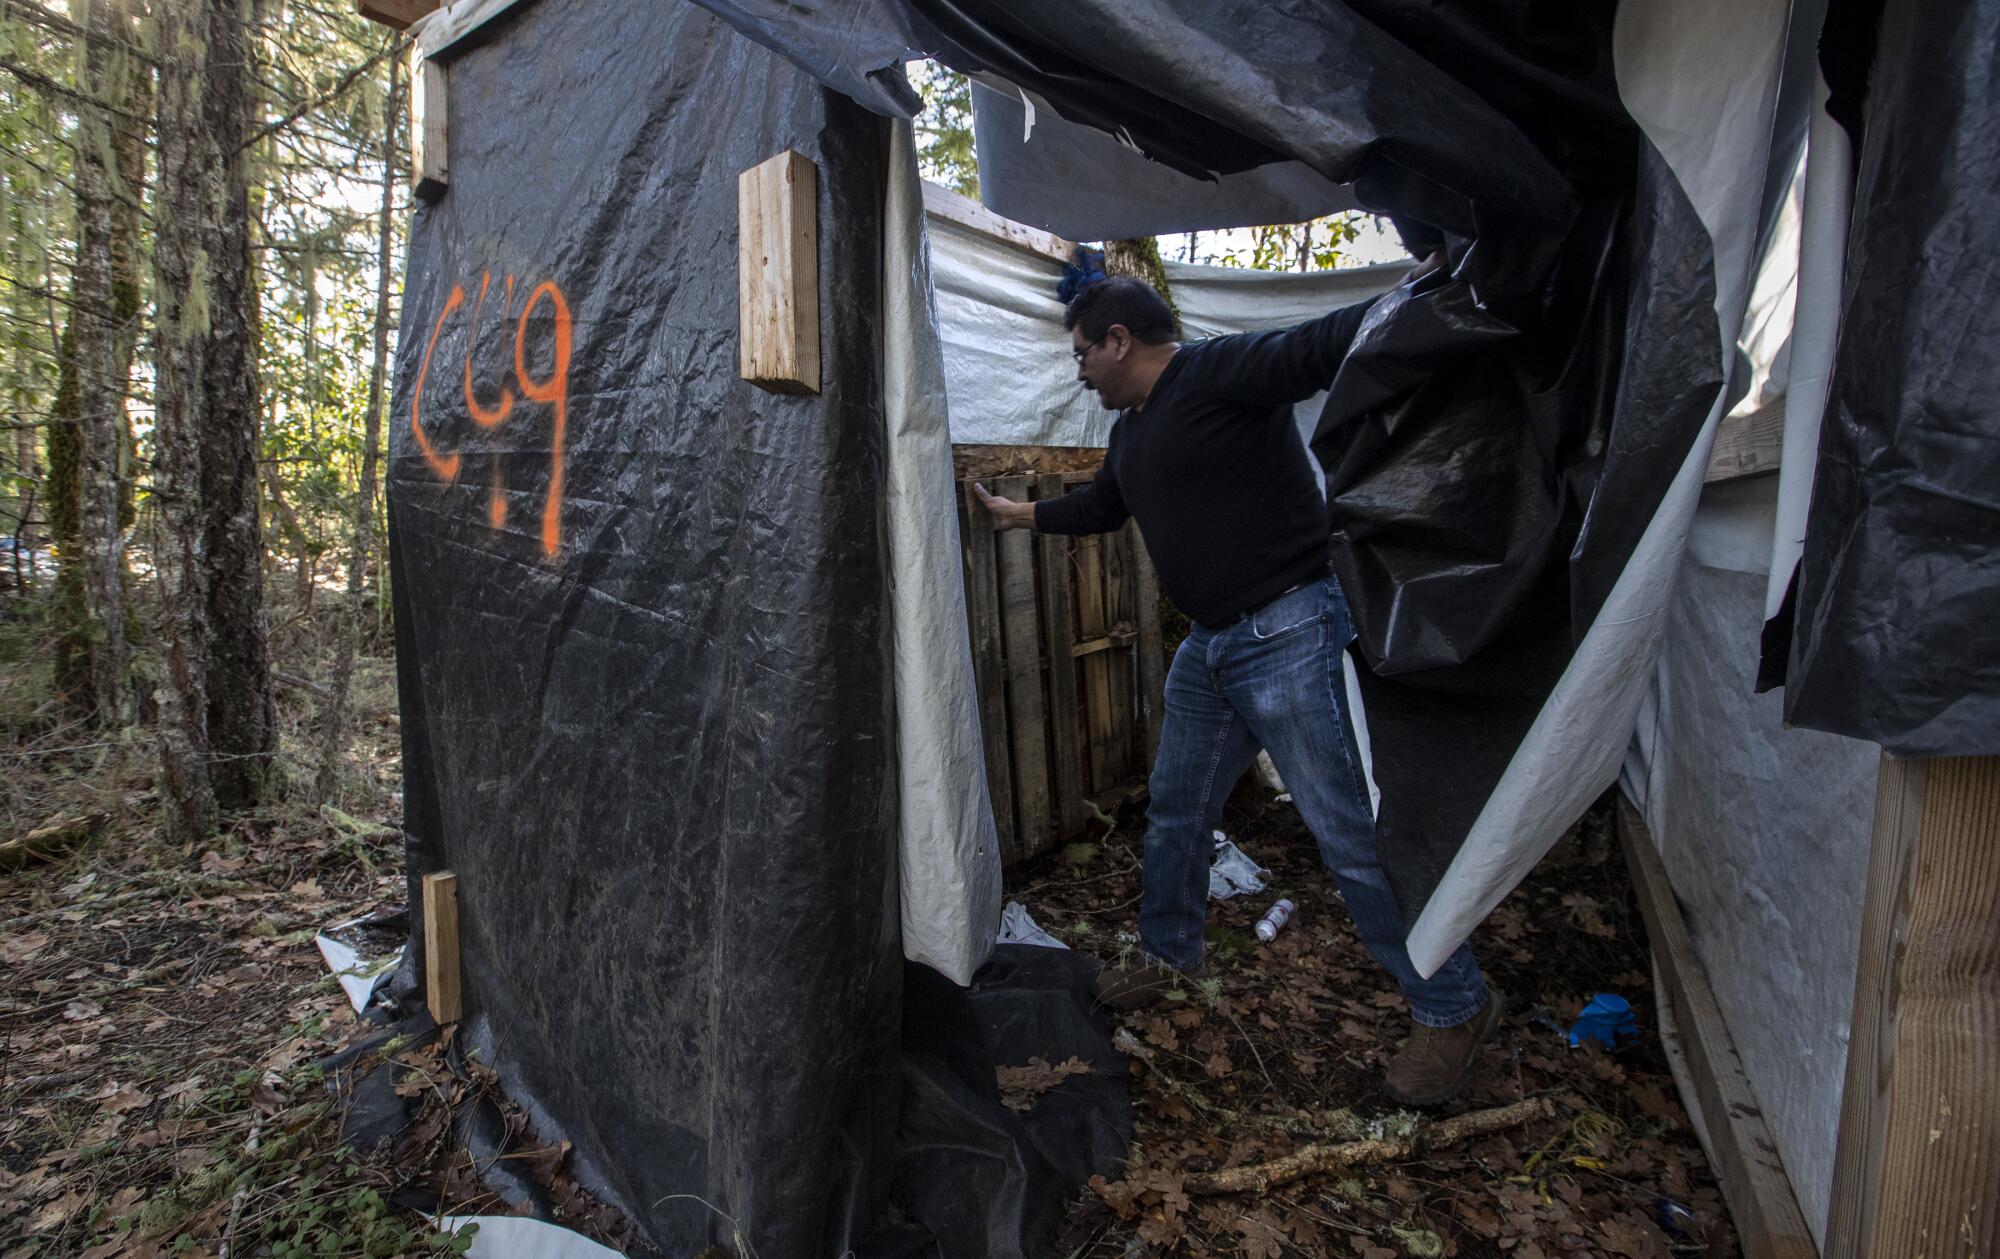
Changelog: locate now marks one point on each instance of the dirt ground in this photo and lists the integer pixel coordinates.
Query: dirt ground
(162, 1011)
(1284, 1049)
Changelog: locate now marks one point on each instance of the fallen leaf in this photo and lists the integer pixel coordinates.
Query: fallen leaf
(17, 949)
(1020, 1086)
(123, 1100)
(1218, 1065)
(77, 1011)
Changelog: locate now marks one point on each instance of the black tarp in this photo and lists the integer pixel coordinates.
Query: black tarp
(1898, 593)
(642, 629)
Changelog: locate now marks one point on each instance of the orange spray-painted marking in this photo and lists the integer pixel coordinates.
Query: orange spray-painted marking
(496, 503)
(445, 466)
(554, 390)
(483, 416)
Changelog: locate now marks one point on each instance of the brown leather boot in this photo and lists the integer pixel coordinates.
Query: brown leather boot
(1432, 1065)
(1140, 982)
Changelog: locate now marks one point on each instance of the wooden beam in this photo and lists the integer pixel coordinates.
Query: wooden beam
(1152, 650)
(1027, 713)
(982, 614)
(441, 963)
(1917, 1164)
(942, 203)
(777, 289)
(1768, 1221)
(400, 14)
(1119, 635)
(455, 24)
(430, 168)
(1748, 445)
(1065, 713)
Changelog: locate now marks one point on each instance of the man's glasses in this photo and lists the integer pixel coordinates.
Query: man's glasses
(1078, 355)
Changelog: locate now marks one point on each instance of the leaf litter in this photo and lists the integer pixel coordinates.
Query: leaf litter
(1284, 1051)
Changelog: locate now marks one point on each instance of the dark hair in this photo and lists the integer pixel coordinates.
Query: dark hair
(1123, 299)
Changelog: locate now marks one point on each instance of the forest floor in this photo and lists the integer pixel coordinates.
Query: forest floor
(1284, 1047)
(163, 1010)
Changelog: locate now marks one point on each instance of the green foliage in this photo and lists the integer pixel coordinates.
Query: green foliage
(1309, 246)
(944, 130)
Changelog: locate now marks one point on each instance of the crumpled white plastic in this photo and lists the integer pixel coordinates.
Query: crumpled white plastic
(1232, 872)
(1017, 926)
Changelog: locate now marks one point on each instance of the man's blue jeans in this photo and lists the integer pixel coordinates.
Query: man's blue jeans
(1273, 680)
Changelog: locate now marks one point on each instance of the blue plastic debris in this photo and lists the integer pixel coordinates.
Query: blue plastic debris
(1606, 1020)
(1086, 269)
(1676, 1218)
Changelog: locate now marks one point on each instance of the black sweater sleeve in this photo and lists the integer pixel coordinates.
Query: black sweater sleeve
(1275, 368)
(1096, 507)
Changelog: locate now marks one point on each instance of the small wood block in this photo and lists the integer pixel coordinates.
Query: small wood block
(396, 13)
(430, 172)
(441, 967)
(777, 287)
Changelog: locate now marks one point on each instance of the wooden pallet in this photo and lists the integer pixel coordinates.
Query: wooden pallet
(1068, 661)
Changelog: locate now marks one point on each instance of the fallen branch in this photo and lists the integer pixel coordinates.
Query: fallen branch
(1258, 1177)
(50, 840)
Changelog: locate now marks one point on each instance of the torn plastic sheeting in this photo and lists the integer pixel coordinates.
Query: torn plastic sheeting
(359, 976)
(1018, 926)
(1083, 184)
(1231, 872)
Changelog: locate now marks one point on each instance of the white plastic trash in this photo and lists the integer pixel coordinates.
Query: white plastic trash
(1017, 926)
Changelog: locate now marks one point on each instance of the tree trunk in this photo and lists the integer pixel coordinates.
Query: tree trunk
(242, 724)
(92, 659)
(190, 178)
(1140, 256)
(333, 725)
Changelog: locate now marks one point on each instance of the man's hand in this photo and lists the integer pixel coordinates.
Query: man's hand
(1006, 513)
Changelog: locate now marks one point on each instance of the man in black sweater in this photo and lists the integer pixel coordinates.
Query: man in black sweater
(1206, 457)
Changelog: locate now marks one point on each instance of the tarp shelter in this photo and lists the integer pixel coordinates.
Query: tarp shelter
(687, 700)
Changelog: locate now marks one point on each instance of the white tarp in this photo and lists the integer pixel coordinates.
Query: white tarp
(950, 853)
(1764, 834)
(1007, 366)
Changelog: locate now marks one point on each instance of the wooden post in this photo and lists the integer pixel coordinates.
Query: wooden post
(1768, 1221)
(1152, 650)
(441, 966)
(430, 169)
(1021, 635)
(1917, 1167)
(982, 613)
(1059, 628)
(777, 288)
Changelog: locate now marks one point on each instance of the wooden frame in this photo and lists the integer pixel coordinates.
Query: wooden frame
(1768, 1221)
(1068, 663)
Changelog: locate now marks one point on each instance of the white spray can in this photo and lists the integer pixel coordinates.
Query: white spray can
(1274, 920)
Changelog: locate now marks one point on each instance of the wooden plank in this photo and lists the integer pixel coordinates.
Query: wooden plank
(971, 460)
(400, 14)
(1122, 664)
(1065, 714)
(1768, 1222)
(982, 609)
(441, 962)
(1090, 623)
(1917, 1163)
(1748, 445)
(445, 31)
(430, 166)
(942, 203)
(1027, 714)
(1152, 649)
(1114, 638)
(777, 274)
